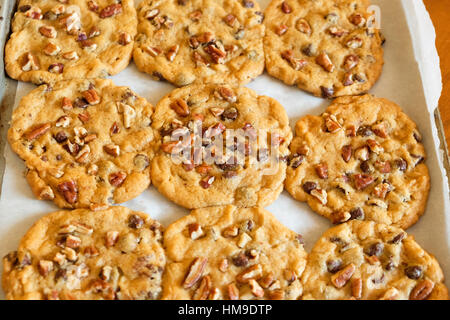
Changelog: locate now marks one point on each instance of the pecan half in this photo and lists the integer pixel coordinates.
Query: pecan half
(233, 291)
(69, 190)
(254, 272)
(116, 179)
(39, 131)
(325, 62)
(180, 107)
(195, 272)
(91, 96)
(422, 290)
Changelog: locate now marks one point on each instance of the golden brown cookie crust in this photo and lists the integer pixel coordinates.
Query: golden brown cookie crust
(369, 261)
(384, 174)
(62, 46)
(249, 185)
(210, 41)
(324, 47)
(84, 153)
(84, 255)
(233, 241)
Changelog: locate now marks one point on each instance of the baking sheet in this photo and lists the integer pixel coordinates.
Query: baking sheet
(414, 85)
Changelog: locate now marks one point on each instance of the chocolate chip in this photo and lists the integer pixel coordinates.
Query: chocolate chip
(49, 15)
(365, 167)
(230, 114)
(309, 50)
(375, 249)
(401, 164)
(60, 137)
(296, 160)
(80, 103)
(365, 131)
(248, 3)
(158, 76)
(309, 186)
(327, 92)
(135, 222)
(398, 238)
(61, 273)
(413, 272)
(357, 213)
(24, 8)
(334, 266)
(241, 260)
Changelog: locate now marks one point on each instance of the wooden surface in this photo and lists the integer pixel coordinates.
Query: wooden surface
(440, 14)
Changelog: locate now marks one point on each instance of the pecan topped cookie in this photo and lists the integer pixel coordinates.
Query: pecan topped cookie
(369, 261)
(231, 253)
(60, 40)
(361, 159)
(211, 41)
(86, 143)
(112, 254)
(329, 48)
(219, 145)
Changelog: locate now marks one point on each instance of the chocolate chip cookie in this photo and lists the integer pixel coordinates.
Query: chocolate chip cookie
(219, 145)
(231, 253)
(86, 255)
(329, 48)
(59, 40)
(369, 261)
(361, 159)
(86, 143)
(210, 41)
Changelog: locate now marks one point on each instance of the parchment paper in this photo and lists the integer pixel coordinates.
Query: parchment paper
(414, 85)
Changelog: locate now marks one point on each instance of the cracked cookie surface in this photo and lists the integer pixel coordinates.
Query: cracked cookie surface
(85, 143)
(328, 48)
(231, 253)
(84, 255)
(70, 39)
(369, 261)
(245, 174)
(361, 159)
(210, 41)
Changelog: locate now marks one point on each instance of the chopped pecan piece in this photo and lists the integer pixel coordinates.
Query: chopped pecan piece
(337, 32)
(296, 63)
(381, 190)
(362, 181)
(325, 62)
(195, 231)
(56, 68)
(354, 43)
(256, 288)
(116, 179)
(51, 49)
(226, 94)
(45, 267)
(322, 170)
(357, 19)
(111, 10)
(202, 292)
(195, 15)
(195, 272)
(356, 288)
(92, 5)
(332, 124)
(172, 52)
(71, 55)
(207, 181)
(30, 63)
(111, 238)
(112, 149)
(281, 29)
(124, 38)
(303, 26)
(285, 7)
(217, 55)
(48, 31)
(350, 62)
(253, 272)
(320, 195)
(72, 242)
(233, 291)
(91, 96)
(347, 153)
(230, 19)
(343, 276)
(223, 267)
(180, 107)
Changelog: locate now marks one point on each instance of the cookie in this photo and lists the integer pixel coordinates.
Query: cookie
(329, 48)
(233, 150)
(86, 255)
(361, 159)
(370, 261)
(210, 41)
(231, 253)
(86, 143)
(60, 40)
